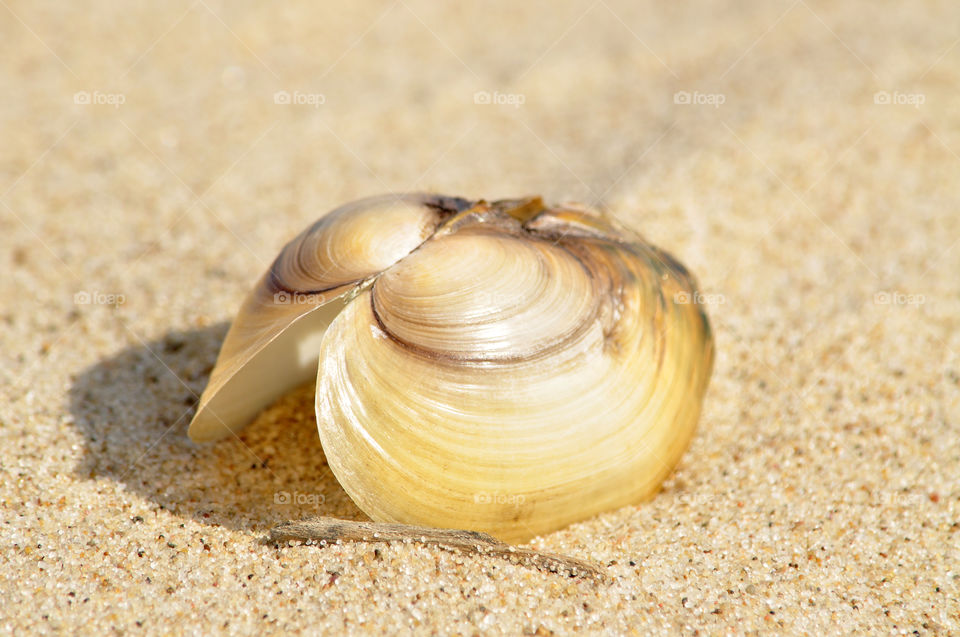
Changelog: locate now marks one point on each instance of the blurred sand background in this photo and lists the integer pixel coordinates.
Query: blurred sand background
(148, 175)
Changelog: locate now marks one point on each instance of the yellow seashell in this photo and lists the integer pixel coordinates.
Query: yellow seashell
(505, 367)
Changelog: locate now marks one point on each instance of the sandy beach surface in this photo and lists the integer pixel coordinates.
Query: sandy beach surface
(801, 157)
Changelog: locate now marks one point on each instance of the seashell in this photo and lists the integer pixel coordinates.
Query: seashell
(506, 367)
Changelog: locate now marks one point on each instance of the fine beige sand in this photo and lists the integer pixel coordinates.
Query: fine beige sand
(801, 157)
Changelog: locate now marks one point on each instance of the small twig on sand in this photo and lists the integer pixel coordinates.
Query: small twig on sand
(323, 529)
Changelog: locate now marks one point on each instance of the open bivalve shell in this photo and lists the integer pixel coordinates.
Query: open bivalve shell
(505, 366)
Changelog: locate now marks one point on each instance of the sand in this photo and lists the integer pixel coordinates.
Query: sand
(800, 157)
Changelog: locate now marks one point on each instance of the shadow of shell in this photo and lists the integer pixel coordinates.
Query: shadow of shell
(133, 409)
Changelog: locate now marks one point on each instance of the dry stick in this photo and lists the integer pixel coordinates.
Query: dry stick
(473, 542)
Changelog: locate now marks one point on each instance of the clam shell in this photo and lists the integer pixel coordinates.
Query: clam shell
(504, 367)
